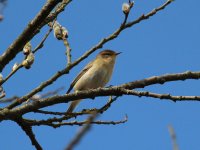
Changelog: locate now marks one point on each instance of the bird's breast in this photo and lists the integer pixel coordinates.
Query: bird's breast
(96, 76)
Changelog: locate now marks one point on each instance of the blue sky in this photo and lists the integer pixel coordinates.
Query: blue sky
(166, 43)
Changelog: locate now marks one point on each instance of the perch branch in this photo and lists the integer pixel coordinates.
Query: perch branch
(124, 89)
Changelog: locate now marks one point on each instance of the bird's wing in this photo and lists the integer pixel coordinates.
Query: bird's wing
(85, 69)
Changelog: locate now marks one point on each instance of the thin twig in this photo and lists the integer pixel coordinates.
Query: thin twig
(57, 11)
(72, 123)
(7, 100)
(29, 32)
(148, 15)
(51, 93)
(66, 116)
(2, 92)
(11, 73)
(68, 50)
(41, 44)
(161, 96)
(44, 95)
(108, 104)
(173, 137)
(81, 133)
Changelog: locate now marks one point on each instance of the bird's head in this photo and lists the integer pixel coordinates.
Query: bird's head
(108, 55)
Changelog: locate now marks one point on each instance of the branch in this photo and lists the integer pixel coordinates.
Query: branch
(50, 93)
(28, 130)
(68, 50)
(2, 92)
(11, 73)
(72, 123)
(7, 100)
(115, 90)
(84, 56)
(147, 16)
(117, 32)
(162, 96)
(108, 104)
(29, 32)
(41, 44)
(19, 66)
(58, 10)
(56, 119)
(173, 137)
(66, 116)
(81, 133)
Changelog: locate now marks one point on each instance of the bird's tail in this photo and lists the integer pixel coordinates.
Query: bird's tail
(73, 106)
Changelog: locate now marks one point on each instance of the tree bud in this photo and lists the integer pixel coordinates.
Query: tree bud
(125, 8)
(27, 48)
(28, 61)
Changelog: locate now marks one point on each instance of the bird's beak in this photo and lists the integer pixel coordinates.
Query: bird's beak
(118, 53)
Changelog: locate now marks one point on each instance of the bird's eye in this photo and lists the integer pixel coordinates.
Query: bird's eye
(106, 55)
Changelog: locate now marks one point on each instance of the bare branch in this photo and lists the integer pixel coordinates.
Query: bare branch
(11, 73)
(28, 130)
(68, 50)
(108, 104)
(32, 28)
(7, 100)
(162, 96)
(152, 13)
(58, 10)
(173, 137)
(50, 112)
(81, 133)
(51, 93)
(2, 92)
(72, 123)
(116, 33)
(41, 44)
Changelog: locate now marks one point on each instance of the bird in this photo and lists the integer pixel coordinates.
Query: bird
(95, 74)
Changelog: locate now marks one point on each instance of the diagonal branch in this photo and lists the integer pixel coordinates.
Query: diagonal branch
(145, 17)
(117, 32)
(26, 35)
(44, 95)
(57, 11)
(39, 46)
(81, 133)
(173, 137)
(11, 73)
(28, 130)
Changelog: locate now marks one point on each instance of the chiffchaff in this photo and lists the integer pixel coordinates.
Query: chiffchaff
(95, 74)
